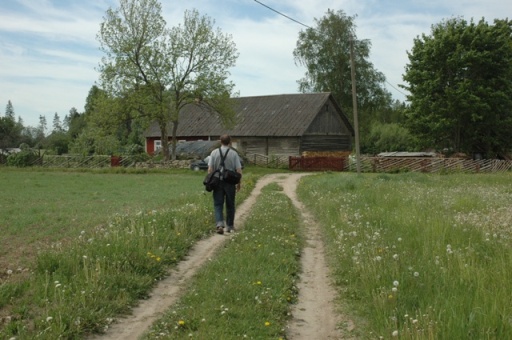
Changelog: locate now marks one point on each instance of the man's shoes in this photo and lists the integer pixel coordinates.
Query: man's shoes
(220, 230)
(231, 230)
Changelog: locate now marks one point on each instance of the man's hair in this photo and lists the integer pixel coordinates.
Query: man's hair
(225, 139)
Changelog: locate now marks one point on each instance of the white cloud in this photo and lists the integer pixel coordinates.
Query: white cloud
(49, 52)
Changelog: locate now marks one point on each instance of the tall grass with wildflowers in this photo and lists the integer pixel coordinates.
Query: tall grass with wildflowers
(420, 256)
(247, 289)
(78, 287)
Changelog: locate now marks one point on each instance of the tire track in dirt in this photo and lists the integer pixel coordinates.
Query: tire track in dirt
(313, 317)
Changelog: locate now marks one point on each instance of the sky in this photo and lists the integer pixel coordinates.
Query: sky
(49, 52)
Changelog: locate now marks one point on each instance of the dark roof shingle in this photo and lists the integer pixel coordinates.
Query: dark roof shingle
(275, 115)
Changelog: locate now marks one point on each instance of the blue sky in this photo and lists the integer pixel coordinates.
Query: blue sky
(49, 52)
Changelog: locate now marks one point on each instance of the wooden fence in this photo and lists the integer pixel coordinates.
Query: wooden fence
(429, 165)
(368, 164)
(382, 164)
(273, 161)
(78, 161)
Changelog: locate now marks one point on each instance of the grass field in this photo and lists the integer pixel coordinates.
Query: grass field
(414, 256)
(420, 256)
(42, 207)
(39, 208)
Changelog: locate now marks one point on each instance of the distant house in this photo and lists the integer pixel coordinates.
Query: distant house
(281, 125)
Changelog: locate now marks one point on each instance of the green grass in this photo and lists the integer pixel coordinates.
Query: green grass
(426, 256)
(89, 272)
(247, 289)
(48, 206)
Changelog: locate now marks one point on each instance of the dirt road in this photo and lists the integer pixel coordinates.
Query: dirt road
(313, 317)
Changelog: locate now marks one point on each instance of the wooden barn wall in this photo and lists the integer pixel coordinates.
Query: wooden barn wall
(327, 132)
(328, 122)
(326, 143)
(282, 146)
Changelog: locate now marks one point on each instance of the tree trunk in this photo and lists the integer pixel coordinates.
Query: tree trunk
(165, 139)
(174, 131)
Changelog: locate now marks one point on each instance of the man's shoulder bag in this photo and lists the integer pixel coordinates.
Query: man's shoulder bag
(212, 180)
(228, 176)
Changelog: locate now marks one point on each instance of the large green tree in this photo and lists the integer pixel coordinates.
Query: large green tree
(325, 52)
(162, 70)
(460, 87)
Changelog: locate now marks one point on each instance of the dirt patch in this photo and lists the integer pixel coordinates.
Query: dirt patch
(313, 317)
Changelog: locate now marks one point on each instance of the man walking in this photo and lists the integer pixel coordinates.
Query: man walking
(225, 192)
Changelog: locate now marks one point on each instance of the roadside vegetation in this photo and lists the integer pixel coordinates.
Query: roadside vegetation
(419, 256)
(247, 289)
(101, 239)
(415, 256)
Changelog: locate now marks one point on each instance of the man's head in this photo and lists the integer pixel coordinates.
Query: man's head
(225, 140)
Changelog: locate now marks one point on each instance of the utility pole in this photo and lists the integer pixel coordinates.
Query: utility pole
(354, 104)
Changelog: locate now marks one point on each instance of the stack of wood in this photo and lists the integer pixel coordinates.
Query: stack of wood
(343, 154)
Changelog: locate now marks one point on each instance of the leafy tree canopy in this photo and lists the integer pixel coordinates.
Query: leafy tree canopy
(157, 71)
(460, 88)
(325, 52)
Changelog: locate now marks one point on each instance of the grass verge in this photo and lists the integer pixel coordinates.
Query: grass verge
(79, 286)
(420, 256)
(246, 290)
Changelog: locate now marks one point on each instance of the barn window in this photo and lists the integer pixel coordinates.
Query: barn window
(158, 144)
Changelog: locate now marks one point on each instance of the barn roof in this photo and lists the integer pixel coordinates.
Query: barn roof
(284, 115)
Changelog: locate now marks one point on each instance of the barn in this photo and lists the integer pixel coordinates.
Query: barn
(274, 125)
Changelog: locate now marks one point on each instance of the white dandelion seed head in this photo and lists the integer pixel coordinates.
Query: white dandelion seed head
(416, 274)
(394, 334)
(394, 289)
(395, 283)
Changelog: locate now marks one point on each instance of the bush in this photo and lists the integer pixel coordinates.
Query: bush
(23, 158)
(388, 137)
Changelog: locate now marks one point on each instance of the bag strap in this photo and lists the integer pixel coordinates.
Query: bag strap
(223, 157)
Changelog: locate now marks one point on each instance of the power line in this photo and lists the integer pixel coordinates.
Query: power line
(395, 88)
(284, 15)
(300, 23)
